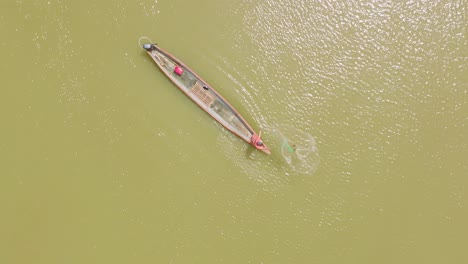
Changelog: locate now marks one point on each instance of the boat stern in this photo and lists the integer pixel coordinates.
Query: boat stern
(257, 142)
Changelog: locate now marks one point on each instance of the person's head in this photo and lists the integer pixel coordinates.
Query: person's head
(259, 143)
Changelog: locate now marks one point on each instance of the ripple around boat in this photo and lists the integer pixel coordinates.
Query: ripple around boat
(205, 96)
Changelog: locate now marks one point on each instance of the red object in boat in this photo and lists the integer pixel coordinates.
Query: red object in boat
(257, 142)
(178, 70)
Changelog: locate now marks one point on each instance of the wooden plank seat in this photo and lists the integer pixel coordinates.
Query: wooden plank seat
(204, 95)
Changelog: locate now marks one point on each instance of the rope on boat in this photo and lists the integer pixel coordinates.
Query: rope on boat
(143, 38)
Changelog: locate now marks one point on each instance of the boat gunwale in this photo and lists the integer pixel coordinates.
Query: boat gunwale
(187, 93)
(233, 110)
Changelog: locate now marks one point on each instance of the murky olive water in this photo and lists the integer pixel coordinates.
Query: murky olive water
(104, 160)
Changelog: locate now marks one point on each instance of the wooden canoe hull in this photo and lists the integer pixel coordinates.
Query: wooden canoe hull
(204, 96)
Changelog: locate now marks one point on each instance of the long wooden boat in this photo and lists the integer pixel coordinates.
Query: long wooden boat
(204, 96)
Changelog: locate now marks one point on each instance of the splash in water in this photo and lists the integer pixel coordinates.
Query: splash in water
(298, 149)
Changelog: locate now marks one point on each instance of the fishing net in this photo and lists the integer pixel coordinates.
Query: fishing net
(298, 148)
